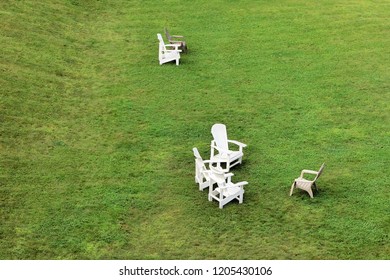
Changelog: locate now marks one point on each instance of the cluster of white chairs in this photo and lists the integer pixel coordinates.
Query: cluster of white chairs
(216, 170)
(222, 159)
(171, 52)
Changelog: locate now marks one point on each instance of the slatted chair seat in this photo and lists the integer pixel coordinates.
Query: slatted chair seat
(303, 182)
(229, 191)
(231, 157)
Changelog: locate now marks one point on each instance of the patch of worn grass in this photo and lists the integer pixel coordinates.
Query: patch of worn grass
(96, 137)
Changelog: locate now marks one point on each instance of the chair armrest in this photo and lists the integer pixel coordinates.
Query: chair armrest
(309, 171)
(237, 143)
(177, 36)
(174, 46)
(173, 51)
(176, 42)
(305, 171)
(240, 184)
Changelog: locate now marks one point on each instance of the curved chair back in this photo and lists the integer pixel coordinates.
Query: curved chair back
(196, 153)
(218, 175)
(320, 171)
(200, 166)
(161, 44)
(219, 133)
(159, 37)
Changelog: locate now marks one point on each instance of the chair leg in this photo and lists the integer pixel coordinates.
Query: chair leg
(292, 188)
(310, 192)
(177, 61)
(240, 198)
(204, 185)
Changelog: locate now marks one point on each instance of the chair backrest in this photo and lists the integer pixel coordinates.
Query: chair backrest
(219, 133)
(200, 166)
(218, 175)
(167, 34)
(159, 37)
(320, 171)
(161, 44)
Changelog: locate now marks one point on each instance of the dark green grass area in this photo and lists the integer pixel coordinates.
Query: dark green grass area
(96, 137)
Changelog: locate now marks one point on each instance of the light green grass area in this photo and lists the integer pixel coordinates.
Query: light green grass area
(96, 137)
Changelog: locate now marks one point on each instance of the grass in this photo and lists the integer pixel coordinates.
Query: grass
(96, 137)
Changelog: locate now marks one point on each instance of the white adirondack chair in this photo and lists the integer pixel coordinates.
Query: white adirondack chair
(220, 151)
(305, 184)
(167, 52)
(226, 190)
(201, 173)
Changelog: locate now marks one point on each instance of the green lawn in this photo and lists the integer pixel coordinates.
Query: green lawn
(96, 137)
